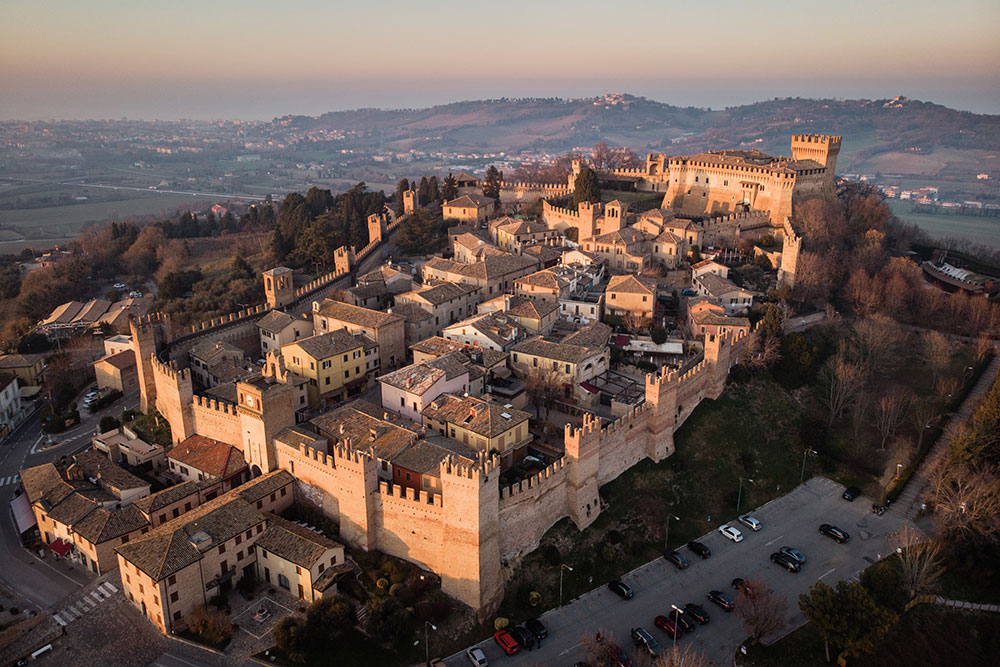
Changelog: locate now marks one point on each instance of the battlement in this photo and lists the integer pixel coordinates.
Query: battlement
(409, 493)
(224, 407)
(551, 471)
(216, 322)
(322, 281)
(170, 370)
(549, 209)
(627, 420)
(831, 140)
(591, 424)
(527, 185)
(479, 470)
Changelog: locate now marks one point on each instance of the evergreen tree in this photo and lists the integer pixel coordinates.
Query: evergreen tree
(585, 187)
(416, 232)
(491, 184)
(450, 190)
(401, 187)
(423, 192)
(435, 193)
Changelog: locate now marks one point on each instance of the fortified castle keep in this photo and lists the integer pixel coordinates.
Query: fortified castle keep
(466, 524)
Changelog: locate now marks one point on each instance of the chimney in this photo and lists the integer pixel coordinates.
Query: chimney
(409, 382)
(342, 429)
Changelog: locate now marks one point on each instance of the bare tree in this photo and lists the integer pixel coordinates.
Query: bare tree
(983, 346)
(544, 388)
(841, 381)
(761, 611)
(919, 557)
(946, 388)
(966, 500)
(862, 293)
(601, 647)
(681, 655)
(763, 351)
(923, 414)
(937, 352)
(890, 411)
(877, 340)
(635, 322)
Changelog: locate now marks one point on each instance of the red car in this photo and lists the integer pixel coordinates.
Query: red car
(668, 626)
(615, 656)
(507, 642)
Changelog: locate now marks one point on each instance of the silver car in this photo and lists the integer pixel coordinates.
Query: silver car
(476, 656)
(750, 522)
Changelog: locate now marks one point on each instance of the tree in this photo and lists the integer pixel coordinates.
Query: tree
(966, 501)
(107, 423)
(877, 341)
(840, 381)
(450, 190)
(937, 352)
(681, 655)
(607, 159)
(585, 188)
(329, 619)
(978, 441)
(635, 322)
(416, 232)
(890, 411)
(762, 612)
(846, 616)
(544, 388)
(491, 184)
(291, 635)
(388, 620)
(212, 625)
(10, 279)
(658, 334)
(423, 192)
(401, 187)
(434, 193)
(919, 559)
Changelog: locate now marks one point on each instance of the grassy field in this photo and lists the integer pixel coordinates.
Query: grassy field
(981, 230)
(62, 220)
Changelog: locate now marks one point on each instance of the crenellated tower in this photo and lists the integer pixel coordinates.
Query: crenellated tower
(265, 407)
(174, 396)
(583, 453)
(661, 398)
(149, 334)
(822, 148)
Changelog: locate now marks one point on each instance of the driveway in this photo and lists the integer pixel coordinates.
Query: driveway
(791, 520)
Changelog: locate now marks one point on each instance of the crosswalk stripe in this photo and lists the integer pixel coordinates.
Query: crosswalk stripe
(110, 586)
(59, 619)
(3, 482)
(70, 613)
(96, 596)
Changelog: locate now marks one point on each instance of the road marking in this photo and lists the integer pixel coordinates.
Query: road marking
(110, 586)
(571, 648)
(58, 619)
(826, 573)
(774, 540)
(97, 596)
(174, 657)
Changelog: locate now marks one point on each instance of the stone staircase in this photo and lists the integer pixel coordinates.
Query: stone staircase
(908, 503)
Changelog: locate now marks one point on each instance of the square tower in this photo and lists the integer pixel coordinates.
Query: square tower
(265, 407)
(278, 287)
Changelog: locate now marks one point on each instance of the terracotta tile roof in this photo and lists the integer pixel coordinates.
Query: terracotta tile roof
(367, 425)
(294, 543)
(12, 361)
(471, 201)
(330, 344)
(546, 349)
(71, 509)
(438, 345)
(595, 335)
(209, 352)
(631, 284)
(626, 236)
(180, 542)
(418, 378)
(481, 417)
(275, 321)
(121, 360)
(470, 241)
(412, 312)
(708, 317)
(261, 487)
(440, 293)
(522, 306)
(97, 465)
(167, 496)
(666, 236)
(546, 278)
(489, 267)
(716, 285)
(101, 525)
(495, 326)
(356, 315)
(214, 458)
(425, 456)
(368, 290)
(515, 227)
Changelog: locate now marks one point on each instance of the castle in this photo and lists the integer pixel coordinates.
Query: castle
(466, 524)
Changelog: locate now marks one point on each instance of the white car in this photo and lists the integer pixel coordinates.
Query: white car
(750, 522)
(731, 532)
(476, 656)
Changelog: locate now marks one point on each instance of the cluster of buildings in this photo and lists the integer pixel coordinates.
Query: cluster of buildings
(403, 402)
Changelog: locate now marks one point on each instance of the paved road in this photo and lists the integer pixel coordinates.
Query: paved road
(44, 582)
(791, 520)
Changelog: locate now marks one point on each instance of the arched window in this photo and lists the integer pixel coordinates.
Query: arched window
(283, 582)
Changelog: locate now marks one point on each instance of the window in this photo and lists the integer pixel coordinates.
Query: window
(171, 580)
(174, 596)
(156, 600)
(567, 368)
(327, 379)
(239, 556)
(312, 365)
(322, 567)
(357, 354)
(260, 504)
(347, 374)
(187, 507)
(177, 512)
(612, 296)
(177, 616)
(283, 582)
(260, 527)
(222, 549)
(163, 518)
(326, 364)
(184, 470)
(224, 567)
(357, 370)
(283, 492)
(239, 540)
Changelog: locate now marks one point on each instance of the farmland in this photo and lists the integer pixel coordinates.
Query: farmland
(976, 229)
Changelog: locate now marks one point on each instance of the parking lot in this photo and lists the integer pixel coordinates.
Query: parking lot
(791, 520)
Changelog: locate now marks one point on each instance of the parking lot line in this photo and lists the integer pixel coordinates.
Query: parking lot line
(826, 573)
(767, 544)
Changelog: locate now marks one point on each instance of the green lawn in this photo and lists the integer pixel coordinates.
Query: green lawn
(978, 229)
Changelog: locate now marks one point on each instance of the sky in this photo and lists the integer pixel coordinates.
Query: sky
(249, 59)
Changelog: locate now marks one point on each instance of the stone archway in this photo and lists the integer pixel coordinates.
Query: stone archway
(255, 471)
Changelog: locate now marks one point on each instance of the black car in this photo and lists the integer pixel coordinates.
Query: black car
(721, 599)
(536, 628)
(851, 492)
(523, 636)
(620, 589)
(794, 554)
(676, 559)
(834, 532)
(785, 561)
(700, 549)
(737, 583)
(697, 612)
(680, 618)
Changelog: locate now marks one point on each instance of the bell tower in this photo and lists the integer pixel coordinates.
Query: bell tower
(265, 407)
(278, 287)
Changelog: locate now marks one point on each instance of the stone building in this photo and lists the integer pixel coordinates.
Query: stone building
(631, 295)
(388, 330)
(470, 207)
(117, 371)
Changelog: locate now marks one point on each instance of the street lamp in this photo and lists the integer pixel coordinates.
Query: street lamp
(677, 617)
(666, 531)
(899, 468)
(804, 454)
(562, 566)
(739, 496)
(428, 626)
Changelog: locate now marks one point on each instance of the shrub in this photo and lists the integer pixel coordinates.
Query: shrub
(388, 620)
(382, 584)
(211, 625)
(292, 637)
(500, 623)
(534, 598)
(658, 334)
(108, 423)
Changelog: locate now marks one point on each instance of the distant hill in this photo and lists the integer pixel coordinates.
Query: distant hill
(926, 137)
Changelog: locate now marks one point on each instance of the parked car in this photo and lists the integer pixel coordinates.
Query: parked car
(688, 292)
(851, 492)
(523, 637)
(721, 599)
(738, 583)
(834, 532)
(537, 628)
(731, 533)
(795, 554)
(785, 561)
(476, 657)
(668, 626)
(616, 656)
(700, 549)
(682, 621)
(642, 638)
(506, 642)
(620, 588)
(676, 559)
(697, 612)
(750, 522)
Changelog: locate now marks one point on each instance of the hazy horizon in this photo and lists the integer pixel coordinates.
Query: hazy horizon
(248, 60)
